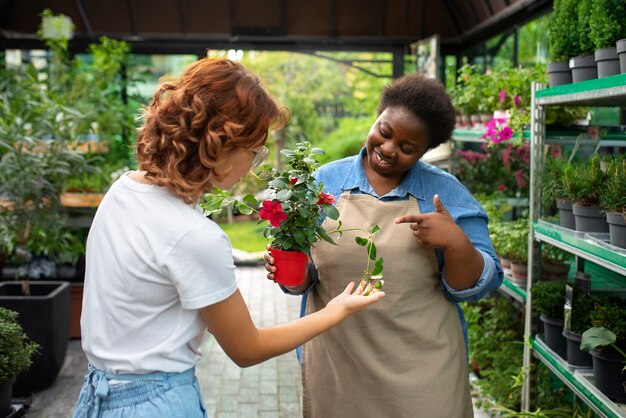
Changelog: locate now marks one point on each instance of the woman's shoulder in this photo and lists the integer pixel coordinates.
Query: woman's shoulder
(438, 181)
(335, 170)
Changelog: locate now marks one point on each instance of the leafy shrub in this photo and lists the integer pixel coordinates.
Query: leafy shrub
(549, 298)
(607, 23)
(16, 349)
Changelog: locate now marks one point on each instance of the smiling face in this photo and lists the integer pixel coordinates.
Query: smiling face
(395, 142)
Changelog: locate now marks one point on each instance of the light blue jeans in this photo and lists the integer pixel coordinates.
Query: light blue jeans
(150, 395)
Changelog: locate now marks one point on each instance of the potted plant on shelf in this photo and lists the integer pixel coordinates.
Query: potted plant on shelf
(582, 306)
(549, 299)
(606, 341)
(294, 208)
(16, 352)
(519, 251)
(560, 47)
(583, 185)
(557, 173)
(606, 27)
(554, 264)
(583, 63)
(613, 201)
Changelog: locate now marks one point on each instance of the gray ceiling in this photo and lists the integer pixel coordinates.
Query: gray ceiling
(190, 26)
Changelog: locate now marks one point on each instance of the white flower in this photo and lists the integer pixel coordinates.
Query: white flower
(57, 27)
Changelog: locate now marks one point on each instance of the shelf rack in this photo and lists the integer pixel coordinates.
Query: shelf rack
(609, 91)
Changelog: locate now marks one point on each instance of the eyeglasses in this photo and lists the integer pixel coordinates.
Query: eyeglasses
(260, 155)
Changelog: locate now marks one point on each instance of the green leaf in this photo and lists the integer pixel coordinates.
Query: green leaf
(375, 229)
(331, 211)
(371, 250)
(283, 195)
(317, 151)
(245, 209)
(378, 267)
(277, 184)
(596, 337)
(361, 241)
(322, 233)
(309, 160)
(250, 200)
(299, 236)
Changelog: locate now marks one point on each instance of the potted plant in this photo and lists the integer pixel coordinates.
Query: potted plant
(607, 26)
(519, 251)
(606, 341)
(16, 352)
(558, 172)
(548, 300)
(560, 48)
(554, 264)
(613, 201)
(583, 186)
(583, 64)
(582, 306)
(294, 207)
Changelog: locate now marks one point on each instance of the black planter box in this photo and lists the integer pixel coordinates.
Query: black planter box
(45, 317)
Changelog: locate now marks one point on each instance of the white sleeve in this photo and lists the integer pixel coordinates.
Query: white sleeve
(201, 266)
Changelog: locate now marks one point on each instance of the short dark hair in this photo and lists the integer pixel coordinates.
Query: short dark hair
(427, 99)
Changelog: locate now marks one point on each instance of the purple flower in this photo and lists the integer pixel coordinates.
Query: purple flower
(516, 100)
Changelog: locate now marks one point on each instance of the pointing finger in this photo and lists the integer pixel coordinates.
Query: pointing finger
(410, 218)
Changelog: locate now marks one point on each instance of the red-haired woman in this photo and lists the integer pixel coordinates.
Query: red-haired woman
(159, 273)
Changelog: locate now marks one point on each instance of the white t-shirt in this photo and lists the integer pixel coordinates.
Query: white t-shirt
(152, 262)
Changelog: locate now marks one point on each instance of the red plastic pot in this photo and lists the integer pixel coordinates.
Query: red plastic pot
(290, 266)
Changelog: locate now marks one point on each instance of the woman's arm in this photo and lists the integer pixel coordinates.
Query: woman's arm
(230, 323)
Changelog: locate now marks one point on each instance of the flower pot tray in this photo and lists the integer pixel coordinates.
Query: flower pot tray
(594, 243)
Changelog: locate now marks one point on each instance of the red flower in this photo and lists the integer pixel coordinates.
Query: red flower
(273, 211)
(326, 199)
(293, 180)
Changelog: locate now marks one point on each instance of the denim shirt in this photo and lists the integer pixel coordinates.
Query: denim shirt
(422, 182)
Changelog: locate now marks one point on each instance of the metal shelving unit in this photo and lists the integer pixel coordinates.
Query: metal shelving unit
(609, 91)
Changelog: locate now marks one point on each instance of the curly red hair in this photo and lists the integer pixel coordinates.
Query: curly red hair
(215, 106)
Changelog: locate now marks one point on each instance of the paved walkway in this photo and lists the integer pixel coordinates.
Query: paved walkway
(269, 390)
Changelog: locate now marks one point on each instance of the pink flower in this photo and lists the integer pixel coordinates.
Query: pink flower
(502, 95)
(506, 133)
(273, 211)
(516, 100)
(326, 199)
(519, 178)
(501, 187)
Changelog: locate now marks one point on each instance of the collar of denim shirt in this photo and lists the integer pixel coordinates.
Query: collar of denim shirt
(412, 183)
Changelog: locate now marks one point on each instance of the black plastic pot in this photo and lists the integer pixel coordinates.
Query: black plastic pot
(607, 62)
(5, 398)
(617, 229)
(621, 53)
(45, 318)
(559, 73)
(589, 219)
(607, 373)
(583, 68)
(576, 357)
(566, 216)
(553, 335)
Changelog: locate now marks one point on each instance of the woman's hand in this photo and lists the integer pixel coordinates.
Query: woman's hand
(269, 264)
(436, 229)
(353, 302)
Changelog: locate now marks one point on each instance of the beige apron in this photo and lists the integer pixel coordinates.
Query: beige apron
(404, 356)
